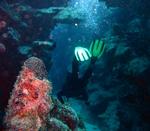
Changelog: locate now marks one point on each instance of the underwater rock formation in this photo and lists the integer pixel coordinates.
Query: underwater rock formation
(65, 114)
(56, 125)
(123, 75)
(31, 107)
(29, 104)
(69, 15)
(137, 66)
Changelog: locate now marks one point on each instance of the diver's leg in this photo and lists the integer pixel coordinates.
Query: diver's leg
(75, 68)
(88, 72)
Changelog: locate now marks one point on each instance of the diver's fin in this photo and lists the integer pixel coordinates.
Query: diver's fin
(97, 48)
(82, 54)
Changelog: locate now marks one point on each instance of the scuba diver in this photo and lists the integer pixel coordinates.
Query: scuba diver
(75, 86)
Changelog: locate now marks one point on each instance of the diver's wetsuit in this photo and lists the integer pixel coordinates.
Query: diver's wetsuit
(75, 86)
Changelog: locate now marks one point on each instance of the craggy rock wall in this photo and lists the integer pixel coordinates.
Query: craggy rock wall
(121, 92)
(25, 32)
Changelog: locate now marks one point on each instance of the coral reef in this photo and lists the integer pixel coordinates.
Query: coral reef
(111, 119)
(29, 104)
(69, 15)
(63, 118)
(56, 125)
(137, 66)
(119, 92)
(21, 25)
(31, 107)
(65, 114)
(123, 75)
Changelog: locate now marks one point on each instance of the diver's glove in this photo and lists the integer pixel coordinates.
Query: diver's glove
(82, 54)
(96, 49)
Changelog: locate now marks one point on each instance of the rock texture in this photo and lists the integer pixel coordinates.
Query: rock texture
(31, 107)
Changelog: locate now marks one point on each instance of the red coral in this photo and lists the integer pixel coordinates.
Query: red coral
(29, 104)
